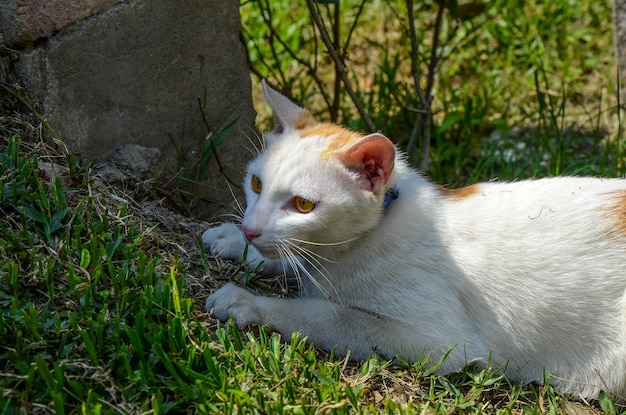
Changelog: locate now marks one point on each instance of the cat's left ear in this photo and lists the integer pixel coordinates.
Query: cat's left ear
(373, 158)
(287, 115)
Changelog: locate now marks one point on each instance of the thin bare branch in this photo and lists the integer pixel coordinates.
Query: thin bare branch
(311, 68)
(422, 122)
(339, 65)
(414, 52)
(434, 50)
(346, 45)
(334, 114)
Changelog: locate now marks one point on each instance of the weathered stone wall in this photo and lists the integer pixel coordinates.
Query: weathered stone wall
(108, 73)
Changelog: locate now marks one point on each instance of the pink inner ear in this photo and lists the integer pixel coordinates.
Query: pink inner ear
(373, 158)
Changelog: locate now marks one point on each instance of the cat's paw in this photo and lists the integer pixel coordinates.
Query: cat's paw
(226, 241)
(232, 301)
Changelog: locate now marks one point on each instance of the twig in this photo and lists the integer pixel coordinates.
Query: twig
(417, 125)
(334, 113)
(423, 121)
(217, 159)
(434, 57)
(432, 70)
(268, 21)
(414, 51)
(340, 68)
(354, 24)
(8, 85)
(274, 36)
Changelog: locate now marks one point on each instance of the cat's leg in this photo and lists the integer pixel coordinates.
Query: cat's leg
(326, 324)
(227, 241)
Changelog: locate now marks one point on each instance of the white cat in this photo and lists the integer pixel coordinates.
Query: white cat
(528, 276)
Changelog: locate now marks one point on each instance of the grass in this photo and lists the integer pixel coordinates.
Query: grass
(101, 314)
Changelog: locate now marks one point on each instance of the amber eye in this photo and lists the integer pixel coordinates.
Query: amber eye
(256, 184)
(303, 205)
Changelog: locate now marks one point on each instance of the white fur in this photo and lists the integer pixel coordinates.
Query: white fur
(527, 276)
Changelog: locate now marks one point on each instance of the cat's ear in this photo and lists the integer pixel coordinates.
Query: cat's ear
(287, 115)
(373, 158)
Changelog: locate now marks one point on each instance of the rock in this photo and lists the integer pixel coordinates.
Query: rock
(142, 73)
(24, 21)
(129, 163)
(138, 160)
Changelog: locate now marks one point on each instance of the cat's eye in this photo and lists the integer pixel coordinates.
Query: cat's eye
(303, 205)
(256, 184)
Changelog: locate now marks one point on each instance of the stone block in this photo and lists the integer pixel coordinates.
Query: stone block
(24, 21)
(139, 73)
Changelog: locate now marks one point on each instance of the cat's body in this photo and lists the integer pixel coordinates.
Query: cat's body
(528, 276)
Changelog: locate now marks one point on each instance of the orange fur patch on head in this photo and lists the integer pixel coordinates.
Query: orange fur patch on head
(618, 212)
(305, 119)
(338, 137)
(460, 193)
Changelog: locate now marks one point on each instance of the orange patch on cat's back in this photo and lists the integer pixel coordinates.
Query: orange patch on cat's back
(460, 193)
(618, 212)
(338, 137)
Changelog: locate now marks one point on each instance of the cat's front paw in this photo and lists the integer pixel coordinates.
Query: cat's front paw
(226, 241)
(232, 301)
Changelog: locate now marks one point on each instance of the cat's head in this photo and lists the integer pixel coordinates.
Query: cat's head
(315, 184)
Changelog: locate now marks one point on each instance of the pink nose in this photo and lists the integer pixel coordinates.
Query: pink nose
(250, 234)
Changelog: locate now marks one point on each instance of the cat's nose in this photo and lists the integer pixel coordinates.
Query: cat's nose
(250, 234)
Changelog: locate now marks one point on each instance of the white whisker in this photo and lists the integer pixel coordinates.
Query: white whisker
(253, 151)
(293, 263)
(324, 243)
(309, 252)
(298, 267)
(310, 258)
(238, 208)
(238, 218)
(259, 139)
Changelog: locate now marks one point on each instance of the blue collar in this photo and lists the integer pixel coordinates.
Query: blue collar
(391, 195)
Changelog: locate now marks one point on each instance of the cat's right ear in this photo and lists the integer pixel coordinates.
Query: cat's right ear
(373, 158)
(287, 115)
